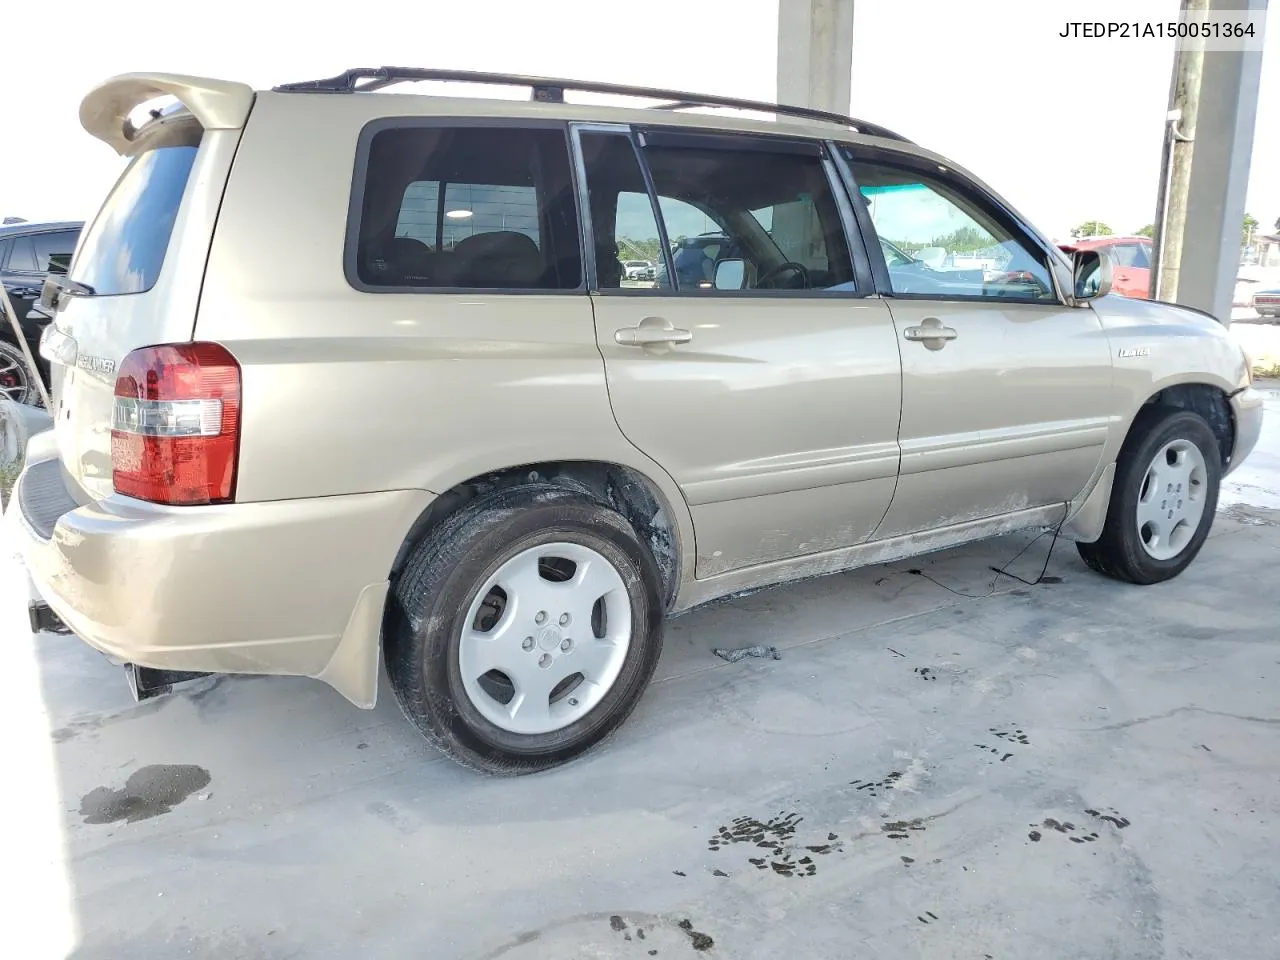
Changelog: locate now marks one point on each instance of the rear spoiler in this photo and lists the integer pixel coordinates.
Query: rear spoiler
(217, 104)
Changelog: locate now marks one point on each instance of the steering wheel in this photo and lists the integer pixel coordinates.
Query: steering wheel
(797, 268)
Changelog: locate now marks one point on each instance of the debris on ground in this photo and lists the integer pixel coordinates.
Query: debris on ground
(741, 653)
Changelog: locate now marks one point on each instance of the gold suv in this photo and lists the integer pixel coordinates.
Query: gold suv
(342, 373)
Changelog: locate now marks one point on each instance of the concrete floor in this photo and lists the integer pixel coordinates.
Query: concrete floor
(968, 768)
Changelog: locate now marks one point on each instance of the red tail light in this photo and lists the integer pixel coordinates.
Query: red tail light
(175, 431)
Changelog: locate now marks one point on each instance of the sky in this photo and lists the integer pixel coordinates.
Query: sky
(1065, 129)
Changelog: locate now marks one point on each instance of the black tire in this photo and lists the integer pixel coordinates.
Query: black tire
(1119, 552)
(17, 380)
(431, 598)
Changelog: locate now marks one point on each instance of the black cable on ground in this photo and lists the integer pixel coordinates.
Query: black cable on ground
(1003, 571)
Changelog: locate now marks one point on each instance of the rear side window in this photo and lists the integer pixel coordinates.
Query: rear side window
(465, 208)
(53, 250)
(126, 245)
(1131, 255)
(22, 259)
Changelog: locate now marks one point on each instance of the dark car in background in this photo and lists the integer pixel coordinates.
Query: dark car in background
(29, 252)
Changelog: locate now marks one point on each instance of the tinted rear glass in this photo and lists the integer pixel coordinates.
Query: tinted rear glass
(125, 248)
(470, 207)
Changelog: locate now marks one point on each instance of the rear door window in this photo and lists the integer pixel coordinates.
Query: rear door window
(766, 206)
(623, 223)
(125, 248)
(465, 208)
(53, 250)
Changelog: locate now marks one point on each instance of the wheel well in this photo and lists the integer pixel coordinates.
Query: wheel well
(1210, 403)
(626, 490)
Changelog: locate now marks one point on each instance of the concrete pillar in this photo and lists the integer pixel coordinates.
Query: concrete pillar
(1215, 201)
(815, 53)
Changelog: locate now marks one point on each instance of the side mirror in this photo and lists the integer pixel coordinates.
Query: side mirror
(50, 290)
(1090, 274)
(730, 274)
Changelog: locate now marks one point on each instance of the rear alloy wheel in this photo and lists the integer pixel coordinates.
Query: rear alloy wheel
(17, 381)
(571, 605)
(1163, 499)
(524, 629)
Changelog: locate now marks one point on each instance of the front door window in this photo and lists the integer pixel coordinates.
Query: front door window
(941, 241)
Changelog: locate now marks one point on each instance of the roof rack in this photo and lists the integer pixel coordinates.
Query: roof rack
(548, 90)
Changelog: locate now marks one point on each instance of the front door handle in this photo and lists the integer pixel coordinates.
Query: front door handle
(651, 332)
(931, 333)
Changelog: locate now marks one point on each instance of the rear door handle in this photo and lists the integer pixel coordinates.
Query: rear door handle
(651, 332)
(931, 333)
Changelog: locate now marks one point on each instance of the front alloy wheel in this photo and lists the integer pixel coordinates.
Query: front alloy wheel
(1163, 498)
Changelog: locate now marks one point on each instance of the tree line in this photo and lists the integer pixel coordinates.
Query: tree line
(1097, 228)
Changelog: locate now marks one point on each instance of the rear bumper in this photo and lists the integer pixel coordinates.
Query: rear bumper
(286, 587)
(1246, 407)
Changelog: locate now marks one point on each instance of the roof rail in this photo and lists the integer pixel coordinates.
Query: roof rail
(549, 90)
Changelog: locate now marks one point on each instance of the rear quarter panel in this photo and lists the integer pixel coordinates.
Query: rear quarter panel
(351, 392)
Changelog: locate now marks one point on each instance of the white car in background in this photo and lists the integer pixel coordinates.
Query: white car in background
(638, 270)
(1266, 302)
(1242, 296)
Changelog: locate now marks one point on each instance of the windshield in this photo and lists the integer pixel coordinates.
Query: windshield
(124, 249)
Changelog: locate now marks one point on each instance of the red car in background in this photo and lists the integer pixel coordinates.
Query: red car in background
(1131, 257)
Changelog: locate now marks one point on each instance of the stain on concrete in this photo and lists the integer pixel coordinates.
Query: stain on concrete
(784, 855)
(391, 816)
(873, 787)
(1251, 515)
(770, 834)
(1188, 632)
(1065, 827)
(1111, 816)
(149, 792)
(901, 829)
(92, 723)
(606, 935)
(1013, 735)
(699, 941)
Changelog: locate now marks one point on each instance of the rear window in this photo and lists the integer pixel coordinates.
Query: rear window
(470, 207)
(125, 247)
